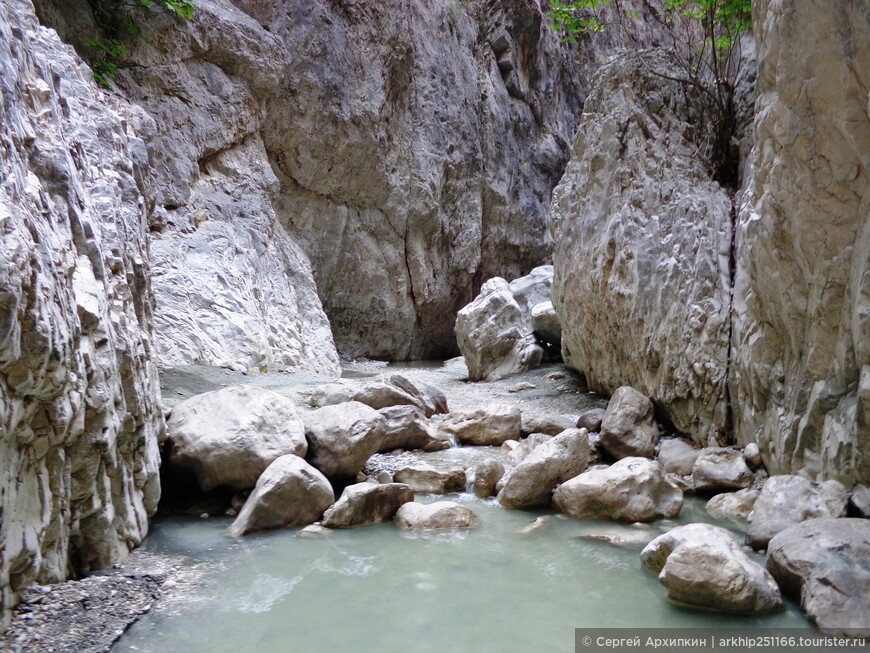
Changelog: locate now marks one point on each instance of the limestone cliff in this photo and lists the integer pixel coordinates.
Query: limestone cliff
(409, 148)
(642, 268)
(643, 280)
(801, 373)
(80, 413)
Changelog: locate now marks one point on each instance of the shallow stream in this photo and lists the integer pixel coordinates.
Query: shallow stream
(378, 588)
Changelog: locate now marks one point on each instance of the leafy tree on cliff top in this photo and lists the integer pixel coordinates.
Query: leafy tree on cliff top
(705, 39)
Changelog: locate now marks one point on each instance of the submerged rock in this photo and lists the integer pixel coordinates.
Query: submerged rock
(229, 436)
(632, 489)
(342, 437)
(623, 538)
(718, 469)
(629, 427)
(440, 515)
(289, 493)
(824, 563)
(491, 425)
(425, 478)
(367, 503)
(531, 483)
(787, 500)
(705, 566)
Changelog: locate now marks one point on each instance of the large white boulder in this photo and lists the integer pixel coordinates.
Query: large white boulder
(341, 438)
(632, 489)
(823, 563)
(789, 499)
(289, 493)
(532, 481)
(642, 239)
(494, 336)
(718, 469)
(704, 566)
(229, 436)
(408, 428)
(629, 427)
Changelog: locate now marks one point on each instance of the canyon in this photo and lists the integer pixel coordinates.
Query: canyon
(280, 186)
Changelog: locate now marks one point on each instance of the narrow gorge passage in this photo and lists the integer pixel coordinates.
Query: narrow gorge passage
(231, 231)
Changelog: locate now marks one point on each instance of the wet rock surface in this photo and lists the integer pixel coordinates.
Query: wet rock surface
(824, 562)
(706, 567)
(632, 489)
(789, 499)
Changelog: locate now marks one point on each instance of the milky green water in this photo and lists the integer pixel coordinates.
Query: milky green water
(380, 589)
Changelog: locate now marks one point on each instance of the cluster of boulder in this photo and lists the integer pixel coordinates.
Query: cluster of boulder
(605, 464)
(284, 465)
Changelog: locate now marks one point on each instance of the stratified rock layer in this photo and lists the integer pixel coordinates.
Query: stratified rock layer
(642, 240)
(79, 399)
(801, 370)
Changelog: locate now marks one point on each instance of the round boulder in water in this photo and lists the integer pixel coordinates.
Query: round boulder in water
(704, 566)
(435, 516)
(289, 493)
(632, 489)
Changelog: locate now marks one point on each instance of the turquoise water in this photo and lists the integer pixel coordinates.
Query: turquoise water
(378, 588)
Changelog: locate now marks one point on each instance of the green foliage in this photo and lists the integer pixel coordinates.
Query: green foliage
(705, 37)
(116, 20)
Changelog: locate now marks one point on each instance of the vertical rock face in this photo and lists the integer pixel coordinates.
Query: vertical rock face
(642, 239)
(801, 373)
(232, 286)
(409, 148)
(80, 410)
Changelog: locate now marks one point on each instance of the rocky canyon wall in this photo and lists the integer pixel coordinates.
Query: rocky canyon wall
(801, 346)
(407, 149)
(80, 414)
(642, 269)
(763, 337)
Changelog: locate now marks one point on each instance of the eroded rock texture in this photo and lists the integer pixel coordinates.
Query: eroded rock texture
(79, 399)
(642, 240)
(801, 375)
(407, 148)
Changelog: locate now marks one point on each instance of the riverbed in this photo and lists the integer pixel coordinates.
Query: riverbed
(378, 588)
